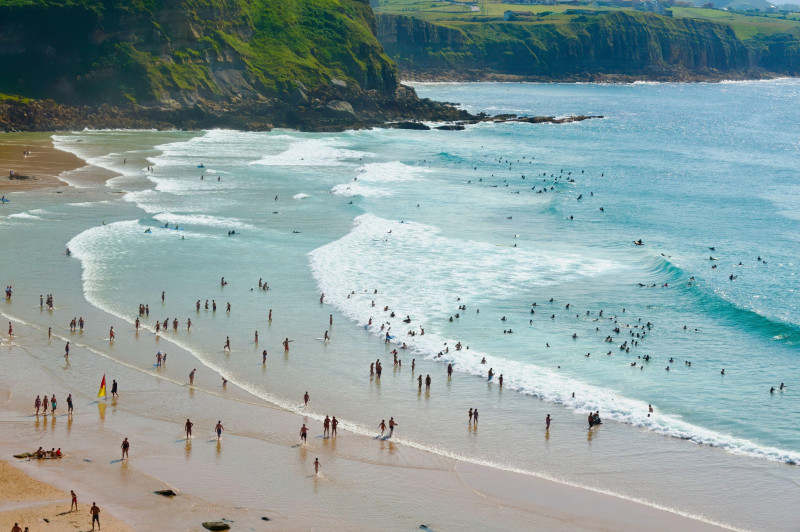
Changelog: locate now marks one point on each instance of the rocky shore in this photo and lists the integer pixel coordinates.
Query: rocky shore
(333, 107)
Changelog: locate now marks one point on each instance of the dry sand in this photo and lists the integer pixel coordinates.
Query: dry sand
(39, 506)
(42, 166)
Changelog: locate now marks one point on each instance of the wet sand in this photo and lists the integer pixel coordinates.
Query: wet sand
(259, 469)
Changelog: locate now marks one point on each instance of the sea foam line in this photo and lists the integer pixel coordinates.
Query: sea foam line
(343, 272)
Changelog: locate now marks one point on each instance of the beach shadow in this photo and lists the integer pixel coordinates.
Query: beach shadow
(115, 461)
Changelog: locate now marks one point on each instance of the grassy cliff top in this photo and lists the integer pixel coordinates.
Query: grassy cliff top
(454, 13)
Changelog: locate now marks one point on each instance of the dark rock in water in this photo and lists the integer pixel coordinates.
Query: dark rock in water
(216, 525)
(165, 493)
(452, 127)
(266, 519)
(410, 125)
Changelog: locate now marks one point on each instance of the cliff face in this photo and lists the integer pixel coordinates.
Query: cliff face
(614, 45)
(177, 52)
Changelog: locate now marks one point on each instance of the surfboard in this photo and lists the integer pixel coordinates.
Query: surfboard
(5, 200)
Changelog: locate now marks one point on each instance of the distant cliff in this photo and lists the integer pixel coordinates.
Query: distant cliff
(614, 46)
(186, 63)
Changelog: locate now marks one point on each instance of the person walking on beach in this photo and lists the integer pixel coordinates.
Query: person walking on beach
(470, 416)
(126, 445)
(392, 425)
(74, 501)
(114, 389)
(382, 426)
(37, 403)
(95, 511)
(188, 324)
(16, 528)
(53, 403)
(227, 346)
(219, 428)
(66, 351)
(326, 427)
(303, 434)
(191, 376)
(475, 416)
(306, 397)
(334, 424)
(111, 334)
(45, 404)
(188, 427)
(10, 329)
(547, 423)
(69, 404)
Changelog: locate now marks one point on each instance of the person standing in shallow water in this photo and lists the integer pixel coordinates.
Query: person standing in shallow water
(126, 445)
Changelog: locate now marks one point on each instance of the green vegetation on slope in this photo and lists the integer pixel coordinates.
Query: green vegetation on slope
(181, 51)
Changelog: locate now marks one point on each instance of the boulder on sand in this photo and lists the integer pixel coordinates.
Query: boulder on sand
(216, 525)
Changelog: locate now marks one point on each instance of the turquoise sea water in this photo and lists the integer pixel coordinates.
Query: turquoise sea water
(489, 218)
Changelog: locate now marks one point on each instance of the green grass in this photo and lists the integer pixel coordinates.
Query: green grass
(746, 26)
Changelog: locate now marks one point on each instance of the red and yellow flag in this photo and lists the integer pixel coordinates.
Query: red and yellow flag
(102, 392)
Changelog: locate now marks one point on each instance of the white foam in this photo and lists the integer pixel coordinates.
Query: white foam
(301, 195)
(371, 257)
(311, 152)
(24, 216)
(356, 189)
(202, 220)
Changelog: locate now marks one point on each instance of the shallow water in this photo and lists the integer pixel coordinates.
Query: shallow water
(426, 218)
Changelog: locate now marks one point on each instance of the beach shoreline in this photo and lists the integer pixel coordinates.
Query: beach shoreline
(523, 499)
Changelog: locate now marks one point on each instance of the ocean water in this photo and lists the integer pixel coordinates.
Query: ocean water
(530, 228)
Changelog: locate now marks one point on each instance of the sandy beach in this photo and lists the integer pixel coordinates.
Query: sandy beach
(40, 167)
(258, 476)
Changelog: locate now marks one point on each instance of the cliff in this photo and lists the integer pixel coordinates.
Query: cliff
(184, 63)
(619, 45)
